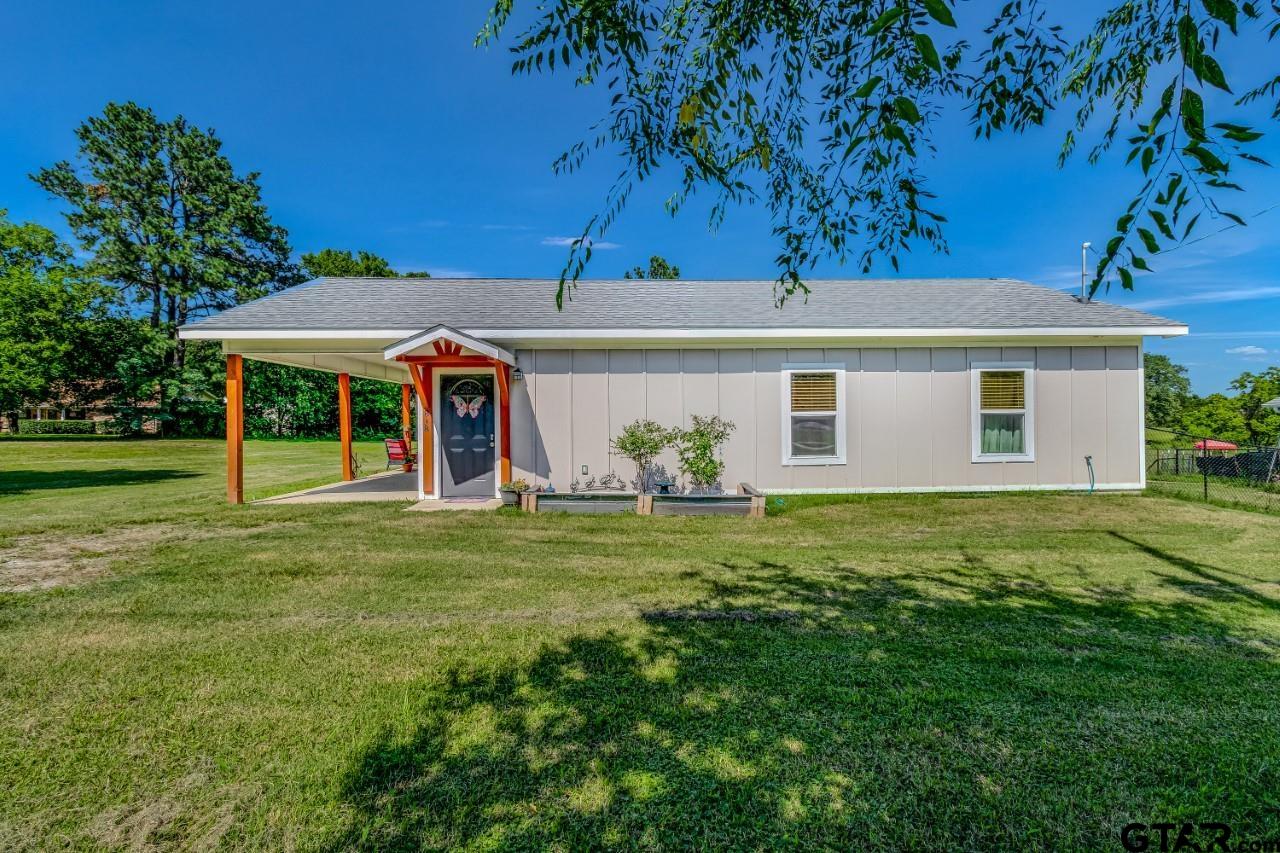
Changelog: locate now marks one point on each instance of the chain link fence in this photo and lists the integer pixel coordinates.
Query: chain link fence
(1212, 470)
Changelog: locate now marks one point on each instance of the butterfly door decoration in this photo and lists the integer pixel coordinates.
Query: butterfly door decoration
(468, 398)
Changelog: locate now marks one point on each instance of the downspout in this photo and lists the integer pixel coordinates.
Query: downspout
(1088, 462)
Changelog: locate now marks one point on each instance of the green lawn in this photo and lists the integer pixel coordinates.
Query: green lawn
(895, 672)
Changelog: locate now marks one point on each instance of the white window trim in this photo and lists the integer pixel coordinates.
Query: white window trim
(840, 413)
(1028, 411)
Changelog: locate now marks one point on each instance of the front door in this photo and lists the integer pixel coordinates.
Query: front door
(467, 440)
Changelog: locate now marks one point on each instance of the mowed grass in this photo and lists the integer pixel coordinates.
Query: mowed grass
(897, 672)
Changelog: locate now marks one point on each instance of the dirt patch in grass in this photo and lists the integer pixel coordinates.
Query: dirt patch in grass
(51, 560)
(151, 824)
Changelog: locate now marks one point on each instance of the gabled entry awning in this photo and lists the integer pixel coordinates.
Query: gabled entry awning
(443, 348)
(444, 340)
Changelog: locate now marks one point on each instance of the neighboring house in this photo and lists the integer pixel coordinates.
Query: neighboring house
(866, 386)
(84, 403)
(67, 409)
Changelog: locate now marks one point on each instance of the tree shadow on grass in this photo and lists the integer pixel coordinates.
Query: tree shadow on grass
(1205, 580)
(826, 707)
(22, 482)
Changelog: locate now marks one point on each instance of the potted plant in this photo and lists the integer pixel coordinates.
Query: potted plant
(511, 491)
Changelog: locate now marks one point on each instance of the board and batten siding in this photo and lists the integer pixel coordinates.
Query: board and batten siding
(908, 417)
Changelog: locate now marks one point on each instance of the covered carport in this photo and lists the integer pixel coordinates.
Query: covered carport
(412, 359)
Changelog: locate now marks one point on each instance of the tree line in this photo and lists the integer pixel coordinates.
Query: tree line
(1239, 417)
(165, 231)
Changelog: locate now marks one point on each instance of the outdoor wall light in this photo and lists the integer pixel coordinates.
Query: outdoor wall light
(517, 375)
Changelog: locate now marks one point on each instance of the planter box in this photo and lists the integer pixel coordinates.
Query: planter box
(748, 502)
(703, 505)
(580, 504)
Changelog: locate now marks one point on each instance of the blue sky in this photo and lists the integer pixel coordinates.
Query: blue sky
(380, 127)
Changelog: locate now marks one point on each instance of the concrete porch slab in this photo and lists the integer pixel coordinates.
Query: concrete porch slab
(387, 486)
(448, 504)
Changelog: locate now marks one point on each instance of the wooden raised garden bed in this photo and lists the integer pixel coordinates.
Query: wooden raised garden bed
(596, 504)
(747, 502)
(701, 504)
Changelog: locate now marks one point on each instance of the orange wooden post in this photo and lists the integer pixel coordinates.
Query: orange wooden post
(235, 429)
(344, 424)
(504, 416)
(406, 424)
(422, 375)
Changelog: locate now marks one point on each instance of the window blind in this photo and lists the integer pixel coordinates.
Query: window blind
(1002, 389)
(813, 392)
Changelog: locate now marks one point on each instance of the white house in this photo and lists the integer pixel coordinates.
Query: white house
(866, 386)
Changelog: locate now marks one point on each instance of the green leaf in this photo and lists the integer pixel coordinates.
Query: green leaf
(1149, 240)
(1140, 262)
(899, 135)
(1162, 222)
(1126, 278)
(1193, 114)
(1211, 72)
(888, 17)
(1209, 161)
(1222, 10)
(1233, 217)
(928, 53)
(1243, 135)
(865, 90)
(940, 11)
(1189, 41)
(906, 110)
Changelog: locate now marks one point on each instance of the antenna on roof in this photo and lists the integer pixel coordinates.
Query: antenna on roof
(1084, 270)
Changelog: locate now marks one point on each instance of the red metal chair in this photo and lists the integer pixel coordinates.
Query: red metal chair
(398, 452)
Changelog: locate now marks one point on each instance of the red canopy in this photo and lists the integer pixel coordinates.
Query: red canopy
(1214, 444)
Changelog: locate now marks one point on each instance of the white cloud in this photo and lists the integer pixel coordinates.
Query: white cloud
(436, 272)
(450, 272)
(1246, 350)
(1230, 335)
(494, 226)
(565, 242)
(1060, 277)
(1209, 297)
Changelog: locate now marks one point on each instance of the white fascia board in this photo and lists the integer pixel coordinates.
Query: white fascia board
(775, 333)
(198, 334)
(790, 334)
(437, 333)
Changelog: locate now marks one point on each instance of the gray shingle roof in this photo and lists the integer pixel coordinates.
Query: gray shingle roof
(411, 304)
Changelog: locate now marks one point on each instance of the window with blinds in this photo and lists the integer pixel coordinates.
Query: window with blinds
(814, 422)
(813, 392)
(1001, 419)
(1003, 389)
